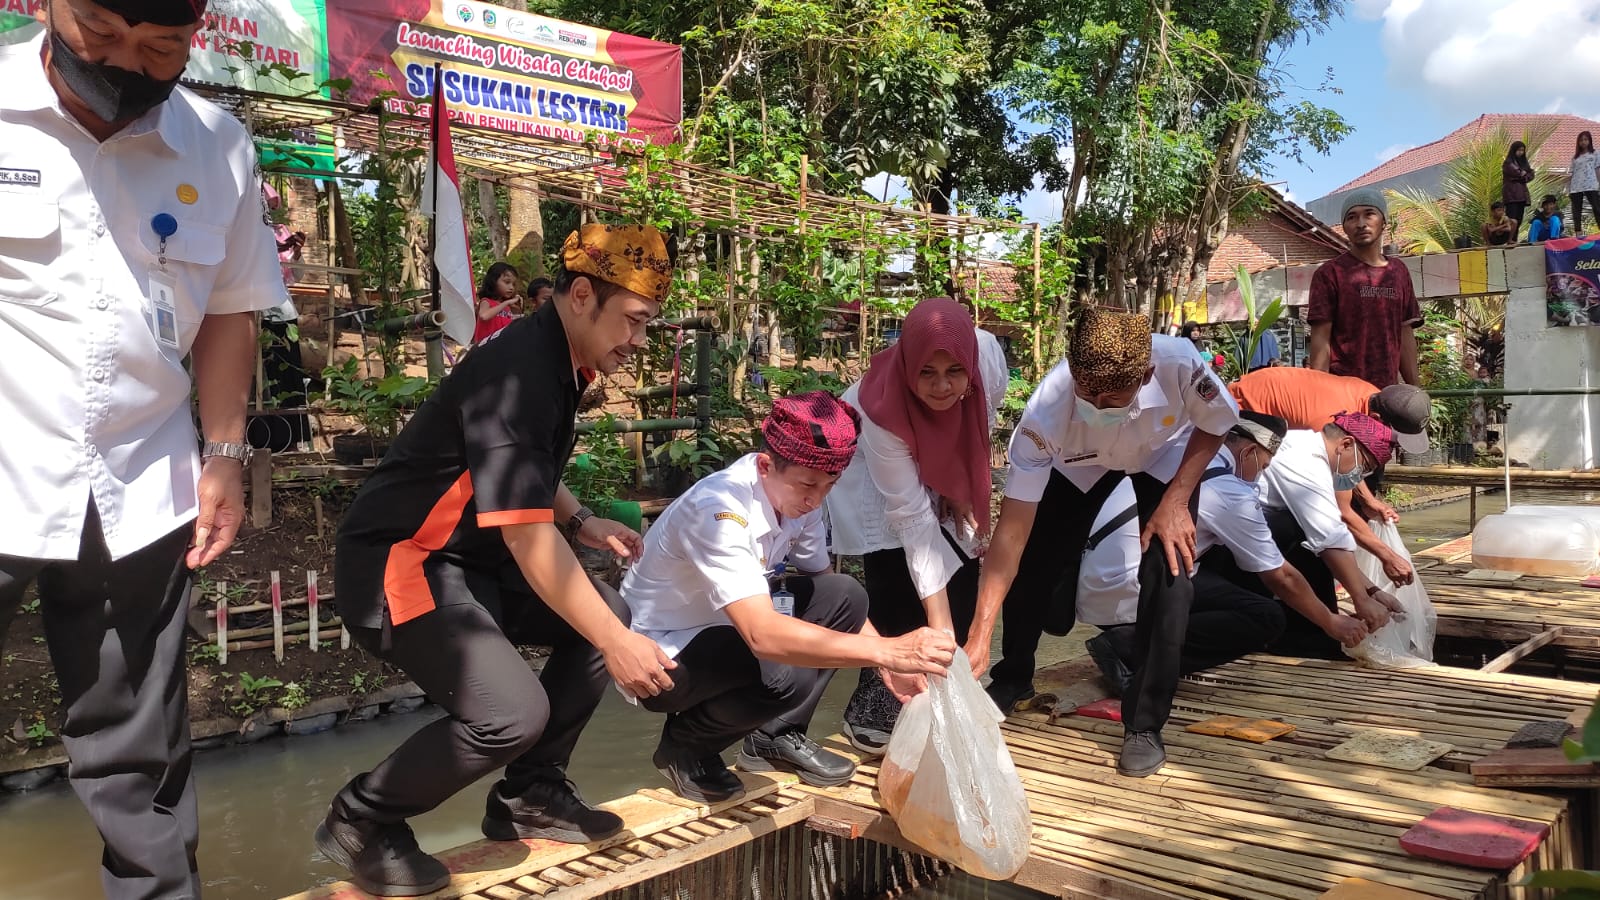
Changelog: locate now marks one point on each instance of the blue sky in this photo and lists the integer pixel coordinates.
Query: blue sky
(1411, 71)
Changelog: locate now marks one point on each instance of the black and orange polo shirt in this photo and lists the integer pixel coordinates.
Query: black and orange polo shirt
(486, 450)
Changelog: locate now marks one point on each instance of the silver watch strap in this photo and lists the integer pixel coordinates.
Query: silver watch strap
(240, 452)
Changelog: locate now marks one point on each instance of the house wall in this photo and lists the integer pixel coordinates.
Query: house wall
(1264, 243)
(1427, 179)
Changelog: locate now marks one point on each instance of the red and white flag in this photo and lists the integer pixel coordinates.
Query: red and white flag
(441, 198)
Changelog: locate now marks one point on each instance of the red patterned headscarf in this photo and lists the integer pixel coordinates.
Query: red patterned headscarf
(951, 448)
(816, 430)
(1377, 437)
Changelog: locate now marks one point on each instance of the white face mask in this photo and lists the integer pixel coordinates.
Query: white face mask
(1096, 417)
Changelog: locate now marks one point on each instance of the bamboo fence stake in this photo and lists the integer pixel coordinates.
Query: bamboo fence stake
(222, 623)
(277, 618)
(344, 638)
(311, 607)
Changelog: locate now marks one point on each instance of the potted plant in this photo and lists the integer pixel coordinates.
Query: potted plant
(380, 406)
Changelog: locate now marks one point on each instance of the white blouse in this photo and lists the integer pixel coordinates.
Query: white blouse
(880, 502)
(1582, 177)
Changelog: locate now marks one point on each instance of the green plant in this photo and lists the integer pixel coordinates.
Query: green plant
(204, 653)
(38, 732)
(362, 683)
(1238, 349)
(1397, 497)
(252, 692)
(377, 403)
(294, 696)
(802, 379)
(31, 607)
(604, 470)
(700, 457)
(1440, 366)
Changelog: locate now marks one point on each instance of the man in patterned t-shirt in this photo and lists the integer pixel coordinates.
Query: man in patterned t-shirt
(1363, 310)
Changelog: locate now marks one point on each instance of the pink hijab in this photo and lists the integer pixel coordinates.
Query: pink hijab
(888, 399)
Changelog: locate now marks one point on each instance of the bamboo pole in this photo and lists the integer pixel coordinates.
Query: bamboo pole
(1038, 290)
(222, 624)
(290, 629)
(311, 608)
(277, 618)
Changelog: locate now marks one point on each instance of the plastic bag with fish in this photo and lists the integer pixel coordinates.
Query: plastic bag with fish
(948, 779)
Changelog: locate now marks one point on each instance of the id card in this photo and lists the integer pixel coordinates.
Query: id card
(783, 602)
(164, 308)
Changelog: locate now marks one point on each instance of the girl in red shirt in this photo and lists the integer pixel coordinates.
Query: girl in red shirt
(497, 296)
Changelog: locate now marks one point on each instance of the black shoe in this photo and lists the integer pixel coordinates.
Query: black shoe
(793, 752)
(704, 780)
(1007, 694)
(1142, 754)
(870, 741)
(382, 859)
(1112, 666)
(546, 810)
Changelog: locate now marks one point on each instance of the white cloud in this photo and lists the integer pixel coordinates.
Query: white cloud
(1474, 56)
(1393, 150)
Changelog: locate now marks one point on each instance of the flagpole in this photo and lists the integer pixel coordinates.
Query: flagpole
(432, 338)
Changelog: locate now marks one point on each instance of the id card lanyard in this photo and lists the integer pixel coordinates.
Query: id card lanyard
(163, 286)
(782, 599)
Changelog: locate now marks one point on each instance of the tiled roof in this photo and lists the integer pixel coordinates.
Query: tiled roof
(1554, 154)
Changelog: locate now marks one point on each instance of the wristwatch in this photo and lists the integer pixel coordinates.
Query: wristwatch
(583, 515)
(240, 452)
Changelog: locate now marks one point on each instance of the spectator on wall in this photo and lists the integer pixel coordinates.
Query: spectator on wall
(1546, 225)
(1501, 229)
(1583, 183)
(1515, 174)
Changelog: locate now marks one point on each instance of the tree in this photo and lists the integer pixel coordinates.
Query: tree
(1422, 223)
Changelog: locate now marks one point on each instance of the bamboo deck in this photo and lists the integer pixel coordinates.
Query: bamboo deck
(1518, 610)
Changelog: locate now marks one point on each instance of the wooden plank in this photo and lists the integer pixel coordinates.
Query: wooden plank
(261, 488)
(1523, 650)
(480, 864)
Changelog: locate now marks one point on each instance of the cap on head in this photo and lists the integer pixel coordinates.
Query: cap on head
(172, 13)
(1405, 408)
(1268, 431)
(815, 429)
(1376, 437)
(1109, 351)
(632, 257)
(1366, 196)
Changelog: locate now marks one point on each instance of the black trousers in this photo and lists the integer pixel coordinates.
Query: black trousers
(1516, 210)
(116, 637)
(1577, 210)
(500, 713)
(1052, 559)
(1300, 637)
(721, 693)
(895, 609)
(1226, 621)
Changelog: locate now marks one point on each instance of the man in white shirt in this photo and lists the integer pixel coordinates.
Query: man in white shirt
(1298, 496)
(132, 240)
(1125, 403)
(752, 663)
(1227, 620)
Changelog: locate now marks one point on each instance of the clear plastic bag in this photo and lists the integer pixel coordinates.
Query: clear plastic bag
(1403, 643)
(948, 779)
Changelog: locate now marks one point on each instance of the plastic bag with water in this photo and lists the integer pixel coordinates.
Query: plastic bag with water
(1403, 643)
(949, 781)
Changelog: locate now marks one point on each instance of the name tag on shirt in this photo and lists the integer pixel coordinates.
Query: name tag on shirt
(164, 308)
(1080, 458)
(783, 602)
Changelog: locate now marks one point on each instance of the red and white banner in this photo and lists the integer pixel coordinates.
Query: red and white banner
(441, 198)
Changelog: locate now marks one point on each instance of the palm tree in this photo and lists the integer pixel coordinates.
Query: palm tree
(1422, 223)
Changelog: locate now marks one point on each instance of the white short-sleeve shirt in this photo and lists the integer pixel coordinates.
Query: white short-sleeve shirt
(1183, 394)
(1230, 515)
(1301, 481)
(880, 502)
(716, 544)
(93, 403)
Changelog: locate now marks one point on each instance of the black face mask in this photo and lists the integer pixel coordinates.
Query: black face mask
(112, 94)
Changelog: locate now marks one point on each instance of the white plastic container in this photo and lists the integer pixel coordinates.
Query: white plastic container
(1536, 545)
(1589, 515)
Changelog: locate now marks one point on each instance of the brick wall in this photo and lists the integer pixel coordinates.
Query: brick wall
(1261, 243)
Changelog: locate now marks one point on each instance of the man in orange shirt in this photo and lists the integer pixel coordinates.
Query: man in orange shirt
(1309, 399)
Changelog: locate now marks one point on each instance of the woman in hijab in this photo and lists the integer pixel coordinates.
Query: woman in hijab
(914, 502)
(1515, 173)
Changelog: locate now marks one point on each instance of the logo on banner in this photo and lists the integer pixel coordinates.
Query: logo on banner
(489, 18)
(574, 38)
(516, 25)
(464, 12)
